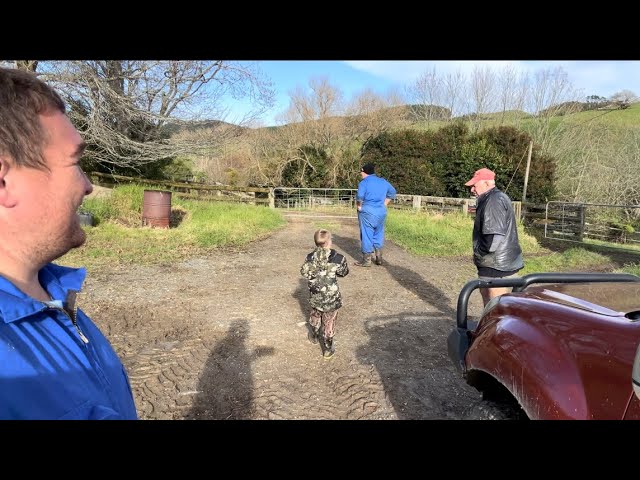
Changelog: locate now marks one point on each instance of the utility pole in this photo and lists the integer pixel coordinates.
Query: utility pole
(526, 173)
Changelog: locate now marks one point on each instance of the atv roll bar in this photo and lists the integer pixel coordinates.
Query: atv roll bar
(519, 284)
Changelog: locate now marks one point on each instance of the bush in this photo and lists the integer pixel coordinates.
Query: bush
(439, 162)
(403, 158)
(311, 171)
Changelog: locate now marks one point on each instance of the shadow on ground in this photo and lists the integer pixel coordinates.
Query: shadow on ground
(407, 278)
(225, 387)
(348, 245)
(301, 294)
(418, 377)
(427, 292)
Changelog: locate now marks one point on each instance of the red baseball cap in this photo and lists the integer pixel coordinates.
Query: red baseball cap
(482, 174)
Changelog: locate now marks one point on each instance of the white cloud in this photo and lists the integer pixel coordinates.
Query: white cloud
(407, 71)
(602, 78)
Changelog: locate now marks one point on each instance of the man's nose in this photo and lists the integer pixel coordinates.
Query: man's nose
(88, 188)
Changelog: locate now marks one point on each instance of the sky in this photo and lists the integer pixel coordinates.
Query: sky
(602, 78)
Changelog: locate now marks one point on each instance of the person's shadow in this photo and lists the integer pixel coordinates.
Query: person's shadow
(407, 278)
(301, 294)
(427, 292)
(348, 245)
(419, 379)
(225, 388)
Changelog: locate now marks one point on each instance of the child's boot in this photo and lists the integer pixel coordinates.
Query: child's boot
(329, 349)
(312, 335)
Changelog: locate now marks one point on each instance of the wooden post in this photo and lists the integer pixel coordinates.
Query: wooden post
(517, 208)
(526, 173)
(465, 207)
(417, 200)
(272, 198)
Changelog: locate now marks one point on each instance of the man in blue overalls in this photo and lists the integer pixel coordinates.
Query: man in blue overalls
(374, 194)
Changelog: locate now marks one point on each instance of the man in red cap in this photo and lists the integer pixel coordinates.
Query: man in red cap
(496, 248)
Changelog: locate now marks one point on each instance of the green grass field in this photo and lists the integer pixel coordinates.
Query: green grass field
(450, 235)
(118, 236)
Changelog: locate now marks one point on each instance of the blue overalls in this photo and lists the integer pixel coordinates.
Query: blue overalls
(54, 363)
(372, 191)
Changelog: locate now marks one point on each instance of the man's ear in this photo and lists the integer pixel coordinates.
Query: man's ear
(6, 200)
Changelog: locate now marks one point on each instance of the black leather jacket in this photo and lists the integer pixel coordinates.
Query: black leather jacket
(494, 215)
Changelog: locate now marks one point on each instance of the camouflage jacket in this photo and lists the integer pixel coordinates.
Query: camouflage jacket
(321, 268)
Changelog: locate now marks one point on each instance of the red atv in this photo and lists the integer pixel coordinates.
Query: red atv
(560, 346)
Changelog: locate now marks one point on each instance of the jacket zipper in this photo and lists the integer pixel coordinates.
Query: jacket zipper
(71, 310)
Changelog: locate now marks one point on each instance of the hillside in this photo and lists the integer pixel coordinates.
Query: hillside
(406, 118)
(174, 127)
(629, 117)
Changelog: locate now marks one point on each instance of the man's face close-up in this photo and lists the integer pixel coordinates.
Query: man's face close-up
(479, 188)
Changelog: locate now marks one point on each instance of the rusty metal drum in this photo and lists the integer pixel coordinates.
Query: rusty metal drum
(156, 208)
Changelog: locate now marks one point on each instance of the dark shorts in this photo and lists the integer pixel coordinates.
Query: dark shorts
(486, 273)
(481, 277)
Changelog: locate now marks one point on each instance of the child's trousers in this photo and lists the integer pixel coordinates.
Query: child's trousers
(326, 319)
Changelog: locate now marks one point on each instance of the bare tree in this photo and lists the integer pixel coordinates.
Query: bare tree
(369, 113)
(318, 117)
(314, 111)
(426, 95)
(552, 97)
(311, 123)
(483, 93)
(270, 152)
(217, 150)
(453, 97)
(124, 107)
(512, 91)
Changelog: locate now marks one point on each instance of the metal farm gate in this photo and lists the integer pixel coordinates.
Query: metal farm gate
(316, 202)
(616, 226)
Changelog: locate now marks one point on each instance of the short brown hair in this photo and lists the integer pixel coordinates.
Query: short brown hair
(322, 238)
(23, 97)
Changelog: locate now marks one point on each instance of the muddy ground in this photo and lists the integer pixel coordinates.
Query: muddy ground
(224, 336)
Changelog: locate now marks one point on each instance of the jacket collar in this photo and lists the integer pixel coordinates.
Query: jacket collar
(487, 194)
(56, 279)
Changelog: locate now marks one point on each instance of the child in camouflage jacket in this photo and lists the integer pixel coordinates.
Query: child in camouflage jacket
(321, 268)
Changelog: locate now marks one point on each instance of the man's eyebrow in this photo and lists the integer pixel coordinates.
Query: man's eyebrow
(80, 149)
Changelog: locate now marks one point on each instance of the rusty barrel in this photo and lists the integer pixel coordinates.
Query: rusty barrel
(156, 208)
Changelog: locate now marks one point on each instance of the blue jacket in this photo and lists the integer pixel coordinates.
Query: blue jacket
(372, 191)
(51, 367)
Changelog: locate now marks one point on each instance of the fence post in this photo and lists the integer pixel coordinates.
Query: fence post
(417, 201)
(465, 207)
(582, 222)
(272, 198)
(517, 209)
